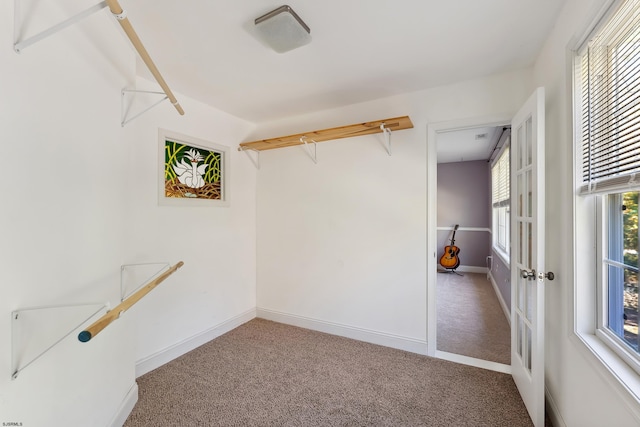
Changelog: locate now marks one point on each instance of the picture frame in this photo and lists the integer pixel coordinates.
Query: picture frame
(191, 171)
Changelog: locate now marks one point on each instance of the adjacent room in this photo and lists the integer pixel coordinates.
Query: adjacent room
(319, 213)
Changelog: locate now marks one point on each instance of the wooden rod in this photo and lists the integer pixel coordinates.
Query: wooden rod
(112, 315)
(117, 10)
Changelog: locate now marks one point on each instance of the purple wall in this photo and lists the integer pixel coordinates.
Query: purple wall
(502, 276)
(464, 198)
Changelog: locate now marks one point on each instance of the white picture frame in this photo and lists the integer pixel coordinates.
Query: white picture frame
(191, 171)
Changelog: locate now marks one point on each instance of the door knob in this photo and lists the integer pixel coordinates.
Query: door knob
(528, 274)
(548, 275)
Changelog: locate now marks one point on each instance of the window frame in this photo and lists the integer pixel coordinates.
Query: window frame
(588, 233)
(602, 332)
(504, 252)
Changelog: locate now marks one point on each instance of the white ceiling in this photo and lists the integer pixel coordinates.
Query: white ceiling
(361, 49)
(467, 145)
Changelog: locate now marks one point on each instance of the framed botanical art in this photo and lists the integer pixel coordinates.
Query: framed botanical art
(192, 172)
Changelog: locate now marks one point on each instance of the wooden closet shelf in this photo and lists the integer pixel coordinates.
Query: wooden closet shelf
(368, 128)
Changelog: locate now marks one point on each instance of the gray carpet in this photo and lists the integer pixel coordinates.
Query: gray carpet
(470, 319)
(269, 374)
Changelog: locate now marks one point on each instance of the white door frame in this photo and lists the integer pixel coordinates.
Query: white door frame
(432, 242)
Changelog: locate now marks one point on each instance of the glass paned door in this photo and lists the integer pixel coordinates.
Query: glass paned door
(527, 260)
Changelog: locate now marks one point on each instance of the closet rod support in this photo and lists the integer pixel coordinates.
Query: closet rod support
(19, 45)
(256, 160)
(124, 111)
(387, 137)
(314, 155)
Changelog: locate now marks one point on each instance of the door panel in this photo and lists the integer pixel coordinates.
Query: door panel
(527, 305)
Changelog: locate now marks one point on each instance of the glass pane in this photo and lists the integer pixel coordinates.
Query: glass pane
(527, 351)
(630, 228)
(529, 193)
(519, 192)
(521, 289)
(529, 139)
(530, 244)
(622, 278)
(519, 147)
(519, 337)
(530, 287)
(520, 239)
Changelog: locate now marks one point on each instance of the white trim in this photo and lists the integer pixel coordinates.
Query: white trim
(488, 230)
(126, 407)
(149, 363)
(469, 269)
(472, 361)
(502, 254)
(612, 370)
(361, 334)
(503, 304)
(432, 210)
(552, 410)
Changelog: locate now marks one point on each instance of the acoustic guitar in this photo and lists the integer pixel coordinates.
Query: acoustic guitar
(449, 259)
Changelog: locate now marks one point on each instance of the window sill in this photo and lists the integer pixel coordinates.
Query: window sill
(613, 369)
(504, 257)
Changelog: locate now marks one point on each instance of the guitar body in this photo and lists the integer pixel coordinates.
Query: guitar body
(449, 259)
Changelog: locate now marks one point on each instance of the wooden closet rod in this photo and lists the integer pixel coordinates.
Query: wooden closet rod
(112, 315)
(118, 12)
(358, 129)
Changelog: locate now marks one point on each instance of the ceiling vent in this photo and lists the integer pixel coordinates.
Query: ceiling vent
(481, 136)
(283, 30)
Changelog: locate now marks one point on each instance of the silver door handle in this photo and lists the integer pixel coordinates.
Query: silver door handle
(548, 275)
(528, 274)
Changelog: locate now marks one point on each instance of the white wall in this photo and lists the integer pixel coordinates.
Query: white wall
(582, 396)
(217, 244)
(342, 245)
(62, 218)
(79, 200)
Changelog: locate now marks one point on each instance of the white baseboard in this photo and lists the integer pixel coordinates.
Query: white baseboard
(125, 407)
(469, 269)
(503, 304)
(161, 357)
(552, 410)
(472, 269)
(388, 340)
(472, 361)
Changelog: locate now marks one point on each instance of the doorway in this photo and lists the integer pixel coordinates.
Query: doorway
(468, 322)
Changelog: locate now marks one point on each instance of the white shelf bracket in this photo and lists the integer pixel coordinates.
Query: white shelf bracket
(387, 138)
(19, 45)
(125, 107)
(27, 323)
(125, 290)
(314, 155)
(255, 160)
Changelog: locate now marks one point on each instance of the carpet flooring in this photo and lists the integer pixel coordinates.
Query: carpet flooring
(270, 374)
(471, 321)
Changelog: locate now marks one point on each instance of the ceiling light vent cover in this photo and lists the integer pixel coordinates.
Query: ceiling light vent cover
(283, 30)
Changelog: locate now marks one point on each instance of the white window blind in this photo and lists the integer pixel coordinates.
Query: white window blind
(500, 180)
(610, 98)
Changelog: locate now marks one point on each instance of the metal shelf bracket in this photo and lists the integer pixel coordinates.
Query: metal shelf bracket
(124, 107)
(387, 137)
(314, 155)
(254, 159)
(26, 322)
(19, 45)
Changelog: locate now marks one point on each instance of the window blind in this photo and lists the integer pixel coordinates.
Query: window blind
(500, 180)
(609, 74)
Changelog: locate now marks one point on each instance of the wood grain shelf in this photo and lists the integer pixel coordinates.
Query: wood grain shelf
(359, 129)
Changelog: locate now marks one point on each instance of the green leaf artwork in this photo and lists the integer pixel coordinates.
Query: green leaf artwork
(192, 172)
